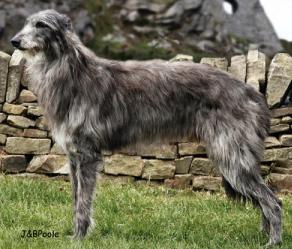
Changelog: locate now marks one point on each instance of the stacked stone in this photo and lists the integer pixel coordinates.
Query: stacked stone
(25, 141)
(26, 144)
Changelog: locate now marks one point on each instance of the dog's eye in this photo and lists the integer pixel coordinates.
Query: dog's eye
(41, 25)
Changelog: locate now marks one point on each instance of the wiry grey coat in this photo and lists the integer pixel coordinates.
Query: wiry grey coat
(94, 104)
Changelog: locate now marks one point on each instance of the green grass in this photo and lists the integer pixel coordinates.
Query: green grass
(130, 216)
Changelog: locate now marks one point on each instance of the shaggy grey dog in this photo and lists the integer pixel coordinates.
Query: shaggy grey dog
(95, 104)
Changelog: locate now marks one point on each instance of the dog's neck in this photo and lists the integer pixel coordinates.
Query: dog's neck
(51, 77)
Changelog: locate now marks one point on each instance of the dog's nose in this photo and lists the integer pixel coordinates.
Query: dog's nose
(15, 43)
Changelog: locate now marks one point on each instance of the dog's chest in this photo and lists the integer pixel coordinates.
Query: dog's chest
(61, 137)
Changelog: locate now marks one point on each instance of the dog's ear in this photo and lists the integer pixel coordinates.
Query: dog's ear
(68, 22)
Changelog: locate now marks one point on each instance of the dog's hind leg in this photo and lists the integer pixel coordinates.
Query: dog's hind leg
(237, 196)
(83, 173)
(237, 156)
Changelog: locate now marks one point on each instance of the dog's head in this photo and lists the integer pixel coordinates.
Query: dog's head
(45, 32)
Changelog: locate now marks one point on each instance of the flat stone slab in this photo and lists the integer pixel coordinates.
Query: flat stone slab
(12, 163)
(279, 128)
(20, 121)
(277, 154)
(123, 165)
(203, 166)
(158, 169)
(20, 145)
(35, 133)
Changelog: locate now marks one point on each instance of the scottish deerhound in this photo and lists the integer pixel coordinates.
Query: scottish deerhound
(95, 104)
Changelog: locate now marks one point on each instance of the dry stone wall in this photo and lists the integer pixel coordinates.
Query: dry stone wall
(27, 146)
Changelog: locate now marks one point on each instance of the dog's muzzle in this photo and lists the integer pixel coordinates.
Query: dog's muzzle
(16, 41)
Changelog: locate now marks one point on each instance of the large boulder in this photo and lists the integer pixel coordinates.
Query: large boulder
(191, 23)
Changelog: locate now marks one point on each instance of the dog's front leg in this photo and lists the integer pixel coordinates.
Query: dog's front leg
(83, 175)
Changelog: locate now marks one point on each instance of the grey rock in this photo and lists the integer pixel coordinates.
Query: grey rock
(189, 20)
(242, 22)
(12, 163)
